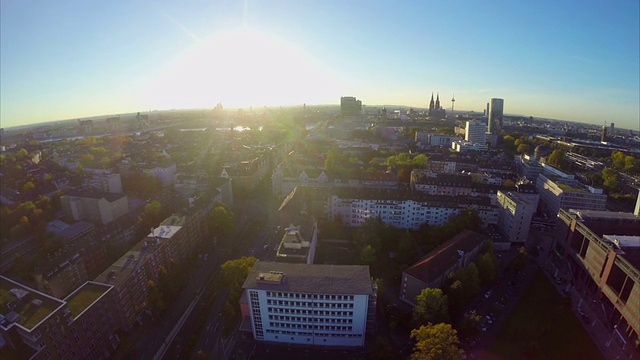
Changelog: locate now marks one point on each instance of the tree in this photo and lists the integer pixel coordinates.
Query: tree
(408, 251)
(234, 272)
(558, 159)
(523, 148)
(436, 342)
(368, 255)
(610, 177)
(519, 262)
(431, 307)
(221, 220)
(28, 187)
(468, 326)
(153, 209)
(617, 159)
(156, 302)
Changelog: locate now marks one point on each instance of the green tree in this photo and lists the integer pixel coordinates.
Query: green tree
(431, 307)
(28, 187)
(368, 255)
(597, 179)
(436, 342)
(610, 177)
(408, 250)
(221, 220)
(558, 159)
(523, 148)
(156, 301)
(631, 165)
(468, 325)
(488, 267)
(153, 210)
(234, 272)
(617, 159)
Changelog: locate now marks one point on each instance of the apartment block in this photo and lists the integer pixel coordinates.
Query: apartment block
(405, 210)
(34, 325)
(95, 206)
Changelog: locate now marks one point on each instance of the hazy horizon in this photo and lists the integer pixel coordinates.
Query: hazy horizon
(567, 61)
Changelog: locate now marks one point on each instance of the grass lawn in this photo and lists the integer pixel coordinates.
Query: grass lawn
(543, 327)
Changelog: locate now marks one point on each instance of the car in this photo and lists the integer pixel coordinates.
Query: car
(265, 248)
(489, 319)
(487, 294)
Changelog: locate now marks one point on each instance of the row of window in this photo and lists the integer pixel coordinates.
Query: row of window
(287, 295)
(308, 304)
(310, 327)
(310, 319)
(304, 333)
(310, 312)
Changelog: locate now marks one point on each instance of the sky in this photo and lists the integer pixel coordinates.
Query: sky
(570, 60)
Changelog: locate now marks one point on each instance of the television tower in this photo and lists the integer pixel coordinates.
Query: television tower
(453, 100)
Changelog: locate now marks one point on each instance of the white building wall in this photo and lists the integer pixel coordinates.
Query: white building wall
(305, 318)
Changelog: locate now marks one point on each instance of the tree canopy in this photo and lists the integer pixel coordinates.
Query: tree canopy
(436, 342)
(431, 307)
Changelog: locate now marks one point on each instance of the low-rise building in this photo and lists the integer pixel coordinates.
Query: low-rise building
(566, 193)
(432, 270)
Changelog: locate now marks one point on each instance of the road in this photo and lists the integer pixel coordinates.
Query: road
(210, 340)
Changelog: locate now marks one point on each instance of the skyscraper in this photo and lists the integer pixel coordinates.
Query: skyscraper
(495, 114)
(350, 106)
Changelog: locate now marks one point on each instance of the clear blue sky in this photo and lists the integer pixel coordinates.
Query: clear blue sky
(573, 60)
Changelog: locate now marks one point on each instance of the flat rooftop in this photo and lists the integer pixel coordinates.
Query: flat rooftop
(85, 296)
(120, 270)
(314, 279)
(23, 305)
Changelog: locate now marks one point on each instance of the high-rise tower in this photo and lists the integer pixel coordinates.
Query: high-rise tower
(495, 114)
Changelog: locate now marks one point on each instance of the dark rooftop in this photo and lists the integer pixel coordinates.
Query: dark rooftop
(320, 279)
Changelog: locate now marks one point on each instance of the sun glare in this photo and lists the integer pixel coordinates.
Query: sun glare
(241, 68)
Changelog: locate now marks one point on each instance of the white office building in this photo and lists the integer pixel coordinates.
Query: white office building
(317, 305)
(475, 132)
(515, 216)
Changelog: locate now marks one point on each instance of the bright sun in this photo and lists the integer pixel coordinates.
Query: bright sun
(241, 68)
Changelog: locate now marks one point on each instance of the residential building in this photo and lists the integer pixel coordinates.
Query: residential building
(402, 209)
(432, 270)
(325, 305)
(598, 253)
(515, 216)
(164, 246)
(105, 182)
(34, 325)
(95, 206)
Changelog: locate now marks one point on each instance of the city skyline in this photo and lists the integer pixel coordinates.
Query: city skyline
(576, 61)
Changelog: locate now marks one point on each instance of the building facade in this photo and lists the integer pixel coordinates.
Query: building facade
(98, 207)
(566, 193)
(495, 116)
(316, 305)
(516, 212)
(38, 326)
(598, 253)
(405, 210)
(475, 132)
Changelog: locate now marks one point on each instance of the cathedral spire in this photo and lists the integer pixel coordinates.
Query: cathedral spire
(438, 101)
(431, 105)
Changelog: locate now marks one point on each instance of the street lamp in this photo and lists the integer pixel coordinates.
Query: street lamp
(608, 343)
